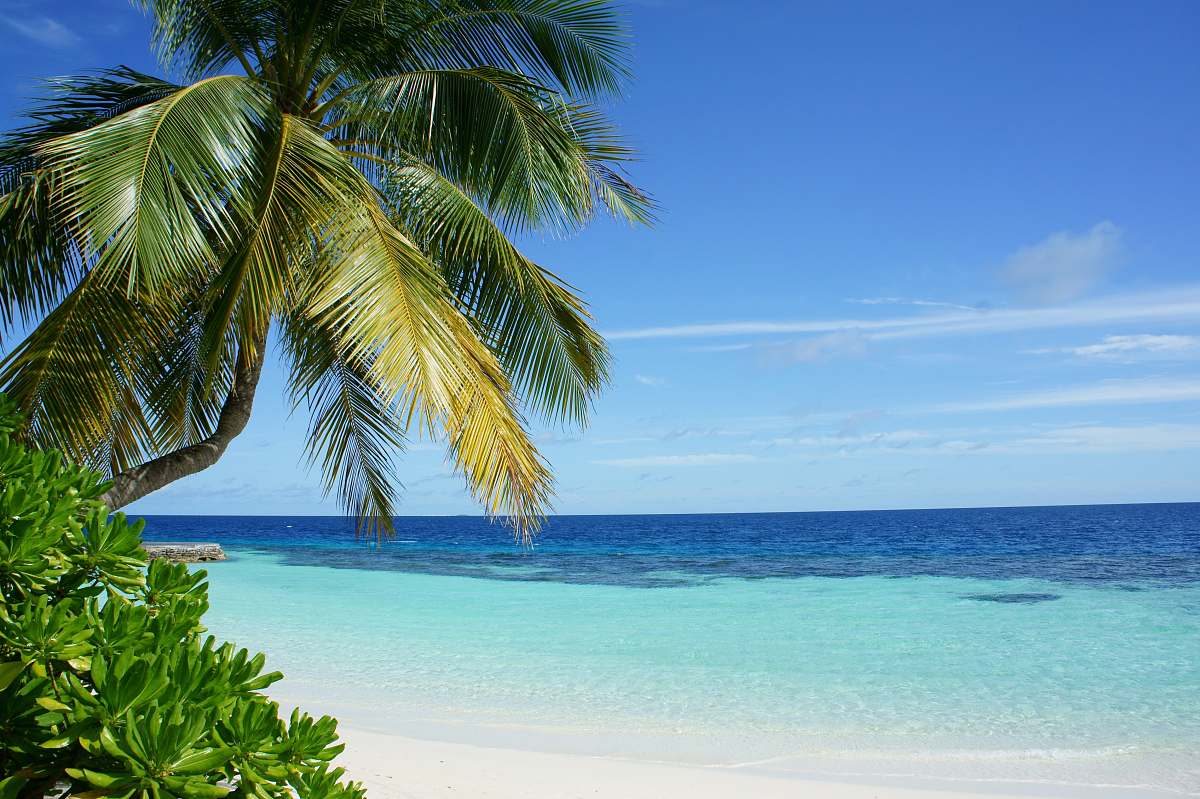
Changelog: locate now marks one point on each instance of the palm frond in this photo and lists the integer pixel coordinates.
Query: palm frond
(392, 310)
(605, 155)
(433, 366)
(290, 207)
(579, 45)
(74, 103)
(39, 262)
(77, 376)
(152, 192)
(528, 157)
(538, 327)
(490, 131)
(187, 381)
(198, 37)
(354, 431)
(358, 185)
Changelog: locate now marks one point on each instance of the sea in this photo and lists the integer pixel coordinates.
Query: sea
(1036, 646)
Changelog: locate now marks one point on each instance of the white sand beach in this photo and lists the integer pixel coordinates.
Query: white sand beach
(397, 767)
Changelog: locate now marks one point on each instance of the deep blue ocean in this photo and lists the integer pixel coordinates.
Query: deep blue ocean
(1052, 645)
(1118, 545)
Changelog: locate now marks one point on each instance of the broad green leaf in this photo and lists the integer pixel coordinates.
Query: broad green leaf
(10, 787)
(9, 672)
(50, 703)
(100, 779)
(198, 789)
(201, 761)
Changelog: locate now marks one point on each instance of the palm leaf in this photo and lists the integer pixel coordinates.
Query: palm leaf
(151, 192)
(200, 36)
(605, 154)
(288, 214)
(77, 376)
(72, 104)
(393, 310)
(162, 230)
(537, 325)
(489, 131)
(431, 363)
(528, 157)
(579, 45)
(187, 380)
(39, 262)
(354, 430)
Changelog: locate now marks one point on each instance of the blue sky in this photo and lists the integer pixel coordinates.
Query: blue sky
(921, 256)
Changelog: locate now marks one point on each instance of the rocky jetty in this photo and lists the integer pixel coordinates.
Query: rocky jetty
(184, 551)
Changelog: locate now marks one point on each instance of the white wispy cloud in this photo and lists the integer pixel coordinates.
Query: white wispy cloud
(1132, 347)
(1112, 392)
(609, 442)
(722, 348)
(959, 446)
(553, 438)
(894, 439)
(811, 349)
(1182, 303)
(43, 30)
(650, 380)
(1108, 438)
(1094, 438)
(1064, 265)
(853, 424)
(432, 478)
(702, 459)
(817, 348)
(1080, 438)
(843, 432)
(678, 433)
(916, 303)
(744, 328)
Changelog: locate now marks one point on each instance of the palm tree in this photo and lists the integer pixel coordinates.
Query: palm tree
(355, 191)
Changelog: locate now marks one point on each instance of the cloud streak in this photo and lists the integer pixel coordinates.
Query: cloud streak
(916, 303)
(1128, 348)
(816, 348)
(1091, 438)
(703, 459)
(1109, 438)
(43, 30)
(1179, 304)
(1113, 392)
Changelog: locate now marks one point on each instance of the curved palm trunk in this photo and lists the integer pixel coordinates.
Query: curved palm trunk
(135, 483)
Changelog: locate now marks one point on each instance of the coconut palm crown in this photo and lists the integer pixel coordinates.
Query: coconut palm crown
(347, 176)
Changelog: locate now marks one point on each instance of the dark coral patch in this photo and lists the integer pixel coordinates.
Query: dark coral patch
(1014, 599)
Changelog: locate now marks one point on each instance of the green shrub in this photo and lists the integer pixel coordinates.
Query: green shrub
(108, 685)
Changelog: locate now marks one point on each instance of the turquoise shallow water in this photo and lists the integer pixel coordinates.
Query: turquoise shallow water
(828, 674)
(1037, 645)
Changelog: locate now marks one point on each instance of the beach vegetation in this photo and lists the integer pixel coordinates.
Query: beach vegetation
(109, 685)
(346, 179)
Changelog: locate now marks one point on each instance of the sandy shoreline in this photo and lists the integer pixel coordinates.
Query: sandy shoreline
(398, 767)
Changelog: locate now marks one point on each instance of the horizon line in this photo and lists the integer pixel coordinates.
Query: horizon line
(500, 521)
